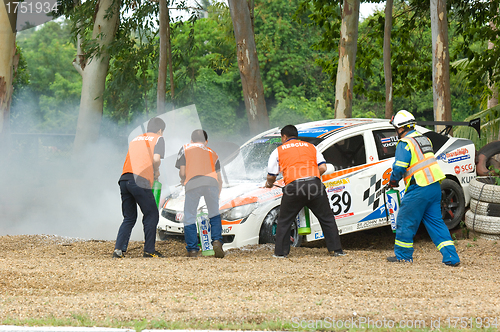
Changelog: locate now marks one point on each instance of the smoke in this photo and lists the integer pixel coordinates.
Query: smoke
(45, 189)
(60, 194)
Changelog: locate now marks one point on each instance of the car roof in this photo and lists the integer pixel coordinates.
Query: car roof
(324, 128)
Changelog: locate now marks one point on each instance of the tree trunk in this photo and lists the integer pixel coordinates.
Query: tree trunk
(7, 54)
(170, 66)
(162, 62)
(251, 6)
(493, 100)
(94, 74)
(248, 64)
(440, 62)
(348, 47)
(387, 60)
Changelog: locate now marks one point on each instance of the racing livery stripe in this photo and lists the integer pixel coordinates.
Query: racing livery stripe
(348, 171)
(234, 222)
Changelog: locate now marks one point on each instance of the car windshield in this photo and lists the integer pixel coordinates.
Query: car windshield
(250, 164)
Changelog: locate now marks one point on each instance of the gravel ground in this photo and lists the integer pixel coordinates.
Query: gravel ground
(43, 276)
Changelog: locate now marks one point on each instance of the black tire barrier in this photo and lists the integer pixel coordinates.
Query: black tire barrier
(488, 151)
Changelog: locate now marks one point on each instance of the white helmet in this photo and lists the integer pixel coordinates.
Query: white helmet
(403, 118)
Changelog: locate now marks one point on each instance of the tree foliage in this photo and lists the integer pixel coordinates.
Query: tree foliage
(297, 46)
(49, 100)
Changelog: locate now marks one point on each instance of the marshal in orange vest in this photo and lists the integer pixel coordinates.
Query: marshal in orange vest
(200, 161)
(139, 160)
(297, 160)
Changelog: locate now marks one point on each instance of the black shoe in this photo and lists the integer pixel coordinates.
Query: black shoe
(219, 252)
(279, 256)
(394, 259)
(193, 253)
(454, 265)
(155, 254)
(337, 253)
(118, 254)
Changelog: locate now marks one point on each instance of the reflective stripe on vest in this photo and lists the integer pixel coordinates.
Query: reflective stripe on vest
(297, 160)
(423, 166)
(139, 160)
(200, 161)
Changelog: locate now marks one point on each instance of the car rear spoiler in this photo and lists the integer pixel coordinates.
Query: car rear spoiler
(474, 123)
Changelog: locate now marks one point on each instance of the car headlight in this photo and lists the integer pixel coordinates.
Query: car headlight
(238, 212)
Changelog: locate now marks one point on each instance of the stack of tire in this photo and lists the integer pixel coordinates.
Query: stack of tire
(483, 218)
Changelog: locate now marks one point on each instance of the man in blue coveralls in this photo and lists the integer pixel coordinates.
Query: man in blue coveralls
(415, 162)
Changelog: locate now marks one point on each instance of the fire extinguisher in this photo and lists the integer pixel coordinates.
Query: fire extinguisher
(303, 221)
(157, 192)
(392, 209)
(205, 233)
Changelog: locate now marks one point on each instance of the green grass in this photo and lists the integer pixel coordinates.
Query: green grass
(277, 325)
(139, 325)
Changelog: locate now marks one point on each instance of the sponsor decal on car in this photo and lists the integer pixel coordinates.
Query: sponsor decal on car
(340, 216)
(372, 223)
(340, 198)
(467, 168)
(372, 194)
(454, 156)
(335, 189)
(467, 179)
(317, 131)
(319, 235)
(337, 183)
(389, 141)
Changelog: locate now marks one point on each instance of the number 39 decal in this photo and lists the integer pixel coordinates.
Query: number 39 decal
(341, 203)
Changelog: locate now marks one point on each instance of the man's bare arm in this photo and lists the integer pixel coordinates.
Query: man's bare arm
(182, 173)
(270, 181)
(322, 169)
(219, 180)
(156, 165)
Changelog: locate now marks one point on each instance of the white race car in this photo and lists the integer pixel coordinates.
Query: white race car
(359, 155)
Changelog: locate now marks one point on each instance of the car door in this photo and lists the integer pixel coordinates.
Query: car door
(381, 147)
(345, 186)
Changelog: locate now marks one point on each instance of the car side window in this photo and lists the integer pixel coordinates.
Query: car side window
(347, 153)
(386, 141)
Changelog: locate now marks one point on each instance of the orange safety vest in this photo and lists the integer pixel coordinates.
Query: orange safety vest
(139, 160)
(200, 161)
(423, 164)
(297, 160)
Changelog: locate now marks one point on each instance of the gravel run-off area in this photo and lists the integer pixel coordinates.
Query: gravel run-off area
(49, 276)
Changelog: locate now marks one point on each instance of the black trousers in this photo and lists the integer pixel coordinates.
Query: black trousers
(296, 195)
(133, 195)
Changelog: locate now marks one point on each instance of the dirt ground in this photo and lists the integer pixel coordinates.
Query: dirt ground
(43, 276)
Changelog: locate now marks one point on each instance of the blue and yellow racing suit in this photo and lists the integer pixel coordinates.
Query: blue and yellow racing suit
(415, 162)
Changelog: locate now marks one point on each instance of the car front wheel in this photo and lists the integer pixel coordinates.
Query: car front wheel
(452, 203)
(267, 232)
